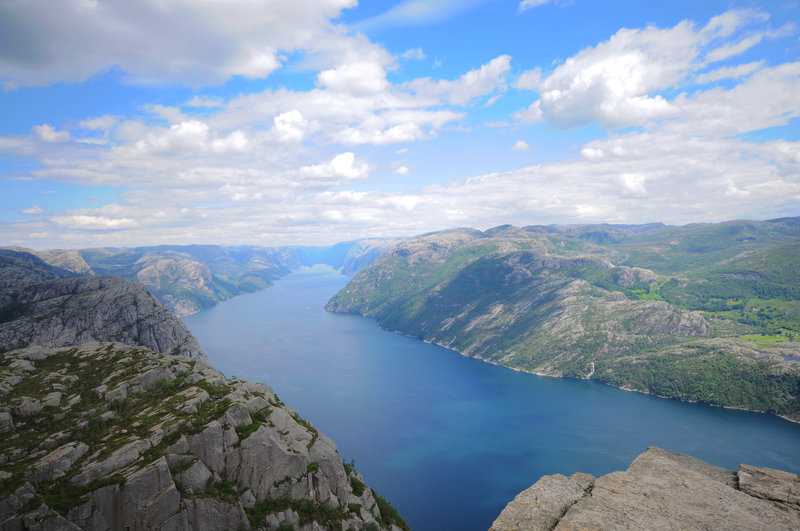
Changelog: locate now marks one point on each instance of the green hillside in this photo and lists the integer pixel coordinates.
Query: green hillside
(701, 313)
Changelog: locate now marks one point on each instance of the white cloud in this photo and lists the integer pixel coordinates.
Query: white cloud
(530, 4)
(402, 170)
(730, 50)
(769, 97)
(47, 133)
(592, 153)
(34, 210)
(520, 145)
(620, 82)
(204, 101)
(729, 72)
(633, 184)
(342, 166)
(82, 221)
(99, 123)
(186, 42)
(529, 80)
(474, 84)
(290, 126)
(359, 78)
(413, 53)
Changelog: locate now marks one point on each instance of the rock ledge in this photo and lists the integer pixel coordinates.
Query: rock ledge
(660, 490)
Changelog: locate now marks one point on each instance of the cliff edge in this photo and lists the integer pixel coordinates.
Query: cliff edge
(41, 305)
(112, 418)
(660, 490)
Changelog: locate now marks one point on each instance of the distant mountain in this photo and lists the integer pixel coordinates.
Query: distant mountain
(37, 309)
(701, 313)
(19, 269)
(190, 278)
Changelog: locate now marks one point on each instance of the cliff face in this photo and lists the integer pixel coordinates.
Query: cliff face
(110, 436)
(140, 432)
(660, 490)
(71, 311)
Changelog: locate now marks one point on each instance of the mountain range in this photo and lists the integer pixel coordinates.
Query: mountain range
(707, 313)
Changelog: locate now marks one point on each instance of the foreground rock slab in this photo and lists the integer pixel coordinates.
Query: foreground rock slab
(660, 490)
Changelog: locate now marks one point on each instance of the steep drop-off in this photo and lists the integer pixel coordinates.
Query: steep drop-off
(70, 311)
(147, 435)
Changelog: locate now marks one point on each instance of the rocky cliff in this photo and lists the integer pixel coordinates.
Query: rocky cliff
(660, 490)
(138, 431)
(70, 311)
(111, 436)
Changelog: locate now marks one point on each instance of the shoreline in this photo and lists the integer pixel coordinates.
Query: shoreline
(535, 373)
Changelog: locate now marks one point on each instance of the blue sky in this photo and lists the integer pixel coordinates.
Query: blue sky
(278, 122)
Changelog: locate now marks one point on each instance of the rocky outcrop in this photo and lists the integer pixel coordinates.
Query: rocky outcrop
(70, 311)
(660, 490)
(141, 440)
(19, 269)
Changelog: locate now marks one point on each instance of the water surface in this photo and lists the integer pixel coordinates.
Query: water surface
(449, 440)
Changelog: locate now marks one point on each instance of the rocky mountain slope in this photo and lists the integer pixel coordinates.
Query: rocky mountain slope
(61, 312)
(660, 490)
(110, 436)
(106, 435)
(576, 302)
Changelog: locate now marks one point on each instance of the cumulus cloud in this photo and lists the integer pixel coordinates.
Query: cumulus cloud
(620, 82)
(34, 210)
(48, 133)
(359, 78)
(729, 72)
(204, 101)
(185, 42)
(474, 84)
(413, 53)
(341, 168)
(270, 168)
(520, 145)
(530, 4)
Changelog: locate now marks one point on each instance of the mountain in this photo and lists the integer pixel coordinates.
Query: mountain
(40, 308)
(660, 490)
(700, 313)
(112, 418)
(190, 278)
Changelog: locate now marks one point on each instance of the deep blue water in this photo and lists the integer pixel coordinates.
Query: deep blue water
(449, 440)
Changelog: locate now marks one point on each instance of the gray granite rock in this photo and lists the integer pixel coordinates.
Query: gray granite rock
(71, 311)
(770, 484)
(543, 504)
(6, 422)
(55, 464)
(661, 490)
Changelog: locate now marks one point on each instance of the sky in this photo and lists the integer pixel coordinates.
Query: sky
(277, 122)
